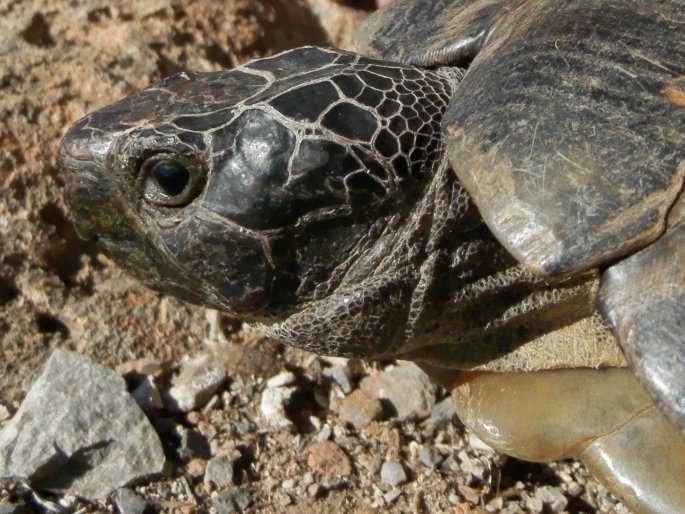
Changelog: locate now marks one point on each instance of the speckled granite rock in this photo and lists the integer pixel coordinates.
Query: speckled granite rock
(79, 431)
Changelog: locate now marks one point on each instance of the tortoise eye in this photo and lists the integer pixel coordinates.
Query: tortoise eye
(169, 181)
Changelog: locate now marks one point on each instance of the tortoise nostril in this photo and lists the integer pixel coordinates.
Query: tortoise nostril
(80, 144)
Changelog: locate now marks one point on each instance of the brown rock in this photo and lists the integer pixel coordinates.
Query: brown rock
(361, 408)
(406, 388)
(328, 458)
(198, 380)
(196, 467)
(147, 366)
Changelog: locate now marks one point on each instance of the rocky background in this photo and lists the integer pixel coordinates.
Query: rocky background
(245, 424)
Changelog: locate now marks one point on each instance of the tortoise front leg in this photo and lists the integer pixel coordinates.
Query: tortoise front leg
(604, 417)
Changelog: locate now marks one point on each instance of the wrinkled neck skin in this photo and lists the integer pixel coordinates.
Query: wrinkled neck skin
(428, 282)
(435, 286)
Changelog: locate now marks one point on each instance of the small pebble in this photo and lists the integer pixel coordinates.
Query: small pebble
(392, 473)
(392, 495)
(429, 457)
(281, 499)
(231, 500)
(552, 498)
(406, 388)
(129, 502)
(325, 433)
(289, 484)
(450, 465)
(472, 466)
(443, 413)
(219, 471)
(147, 395)
(360, 408)
(196, 467)
(533, 504)
(575, 489)
(197, 382)
(328, 458)
(478, 444)
(272, 407)
(283, 379)
(342, 376)
(306, 479)
(495, 505)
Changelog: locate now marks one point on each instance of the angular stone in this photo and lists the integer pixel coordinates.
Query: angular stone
(552, 498)
(392, 473)
(274, 400)
(443, 413)
(472, 466)
(129, 502)
(219, 471)
(198, 380)
(408, 389)
(79, 432)
(328, 458)
(429, 457)
(147, 395)
(231, 500)
(360, 408)
(341, 375)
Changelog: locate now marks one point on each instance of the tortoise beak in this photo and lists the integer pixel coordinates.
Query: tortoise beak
(87, 186)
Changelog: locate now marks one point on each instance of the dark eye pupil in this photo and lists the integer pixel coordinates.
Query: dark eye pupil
(172, 177)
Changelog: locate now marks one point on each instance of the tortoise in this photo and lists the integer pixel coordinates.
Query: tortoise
(490, 188)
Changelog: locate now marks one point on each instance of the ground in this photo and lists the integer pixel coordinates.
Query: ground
(60, 59)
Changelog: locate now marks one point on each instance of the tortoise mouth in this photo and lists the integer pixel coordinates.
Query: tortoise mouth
(88, 185)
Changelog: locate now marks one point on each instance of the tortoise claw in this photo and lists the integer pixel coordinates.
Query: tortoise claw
(643, 463)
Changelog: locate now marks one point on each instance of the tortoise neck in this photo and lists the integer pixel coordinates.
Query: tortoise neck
(473, 302)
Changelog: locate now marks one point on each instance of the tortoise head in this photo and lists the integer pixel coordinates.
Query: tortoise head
(256, 190)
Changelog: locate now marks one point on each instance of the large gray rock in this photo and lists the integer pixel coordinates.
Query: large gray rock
(78, 431)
